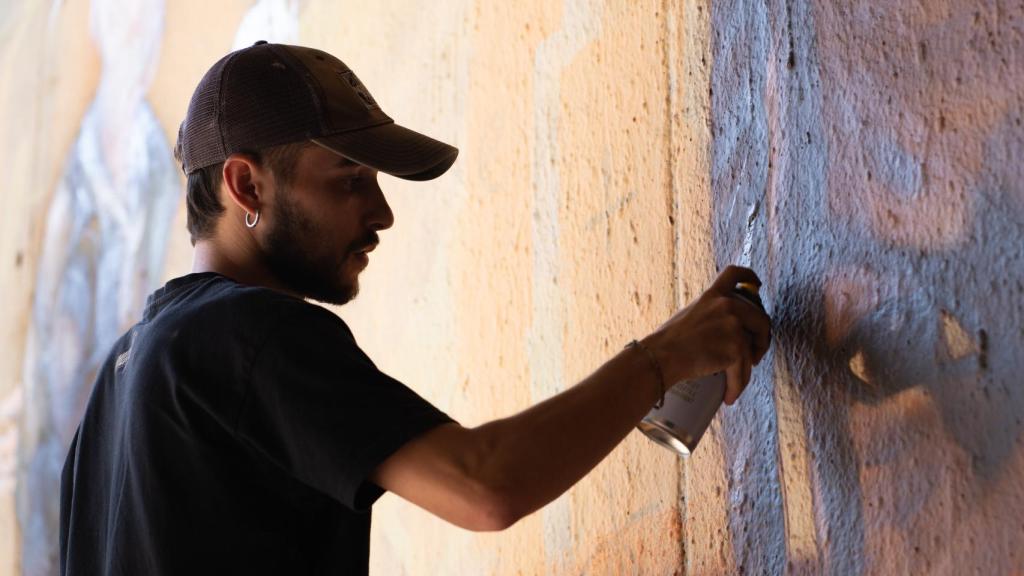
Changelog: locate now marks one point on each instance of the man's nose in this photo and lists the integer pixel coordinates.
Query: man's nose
(380, 217)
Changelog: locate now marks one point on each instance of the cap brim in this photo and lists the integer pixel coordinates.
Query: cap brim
(394, 150)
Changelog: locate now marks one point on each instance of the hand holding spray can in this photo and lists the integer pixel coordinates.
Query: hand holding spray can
(690, 405)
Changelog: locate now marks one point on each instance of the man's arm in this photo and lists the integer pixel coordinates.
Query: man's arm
(490, 476)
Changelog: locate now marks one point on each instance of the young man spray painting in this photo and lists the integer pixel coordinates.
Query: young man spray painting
(238, 428)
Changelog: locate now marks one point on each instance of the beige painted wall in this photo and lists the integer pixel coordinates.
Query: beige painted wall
(509, 279)
(613, 153)
(546, 249)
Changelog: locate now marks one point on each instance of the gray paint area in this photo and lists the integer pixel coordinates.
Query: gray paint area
(873, 152)
(103, 252)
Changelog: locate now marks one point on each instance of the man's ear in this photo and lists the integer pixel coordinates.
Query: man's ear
(245, 180)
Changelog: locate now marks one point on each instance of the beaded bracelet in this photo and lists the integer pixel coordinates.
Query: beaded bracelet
(657, 368)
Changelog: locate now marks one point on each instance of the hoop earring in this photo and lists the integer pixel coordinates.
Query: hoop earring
(253, 223)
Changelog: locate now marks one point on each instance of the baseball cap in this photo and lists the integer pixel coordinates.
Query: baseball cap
(271, 94)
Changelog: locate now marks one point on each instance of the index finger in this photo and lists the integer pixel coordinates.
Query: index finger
(732, 276)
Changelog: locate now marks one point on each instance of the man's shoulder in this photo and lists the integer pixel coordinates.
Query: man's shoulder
(221, 306)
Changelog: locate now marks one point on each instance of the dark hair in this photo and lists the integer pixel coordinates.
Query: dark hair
(202, 190)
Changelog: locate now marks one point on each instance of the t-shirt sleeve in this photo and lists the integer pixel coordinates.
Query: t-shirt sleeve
(318, 407)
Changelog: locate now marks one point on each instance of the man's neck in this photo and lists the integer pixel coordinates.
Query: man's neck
(208, 256)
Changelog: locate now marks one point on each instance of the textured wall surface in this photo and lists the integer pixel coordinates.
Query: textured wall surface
(864, 157)
(867, 157)
(43, 100)
(103, 248)
(539, 256)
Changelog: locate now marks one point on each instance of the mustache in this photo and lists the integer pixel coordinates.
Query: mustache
(372, 240)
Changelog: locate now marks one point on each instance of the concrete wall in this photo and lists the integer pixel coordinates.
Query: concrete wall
(864, 159)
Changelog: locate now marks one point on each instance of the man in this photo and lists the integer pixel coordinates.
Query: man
(238, 428)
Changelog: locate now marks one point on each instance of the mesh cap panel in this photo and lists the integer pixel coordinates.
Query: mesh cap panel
(199, 141)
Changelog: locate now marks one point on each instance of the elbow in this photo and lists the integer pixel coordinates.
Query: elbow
(497, 504)
(497, 512)
(498, 501)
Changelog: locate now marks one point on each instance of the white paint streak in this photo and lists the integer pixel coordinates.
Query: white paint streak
(103, 250)
(748, 244)
(580, 24)
(270, 20)
(10, 410)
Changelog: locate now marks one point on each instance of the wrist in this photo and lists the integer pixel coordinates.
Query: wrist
(645, 356)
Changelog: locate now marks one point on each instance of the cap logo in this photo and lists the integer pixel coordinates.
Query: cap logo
(364, 94)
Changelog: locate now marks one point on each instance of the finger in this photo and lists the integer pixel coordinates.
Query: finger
(737, 382)
(761, 348)
(733, 383)
(732, 276)
(756, 322)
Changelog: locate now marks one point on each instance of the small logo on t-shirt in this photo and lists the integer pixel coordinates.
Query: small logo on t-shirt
(122, 359)
(364, 94)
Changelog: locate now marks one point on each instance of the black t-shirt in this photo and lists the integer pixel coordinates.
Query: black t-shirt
(231, 431)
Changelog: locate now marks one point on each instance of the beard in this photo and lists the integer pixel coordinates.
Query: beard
(314, 273)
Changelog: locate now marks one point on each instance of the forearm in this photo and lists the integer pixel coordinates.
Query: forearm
(536, 455)
(486, 478)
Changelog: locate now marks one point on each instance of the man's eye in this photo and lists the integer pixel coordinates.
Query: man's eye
(352, 180)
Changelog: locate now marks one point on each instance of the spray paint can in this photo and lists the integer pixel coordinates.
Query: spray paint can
(690, 405)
